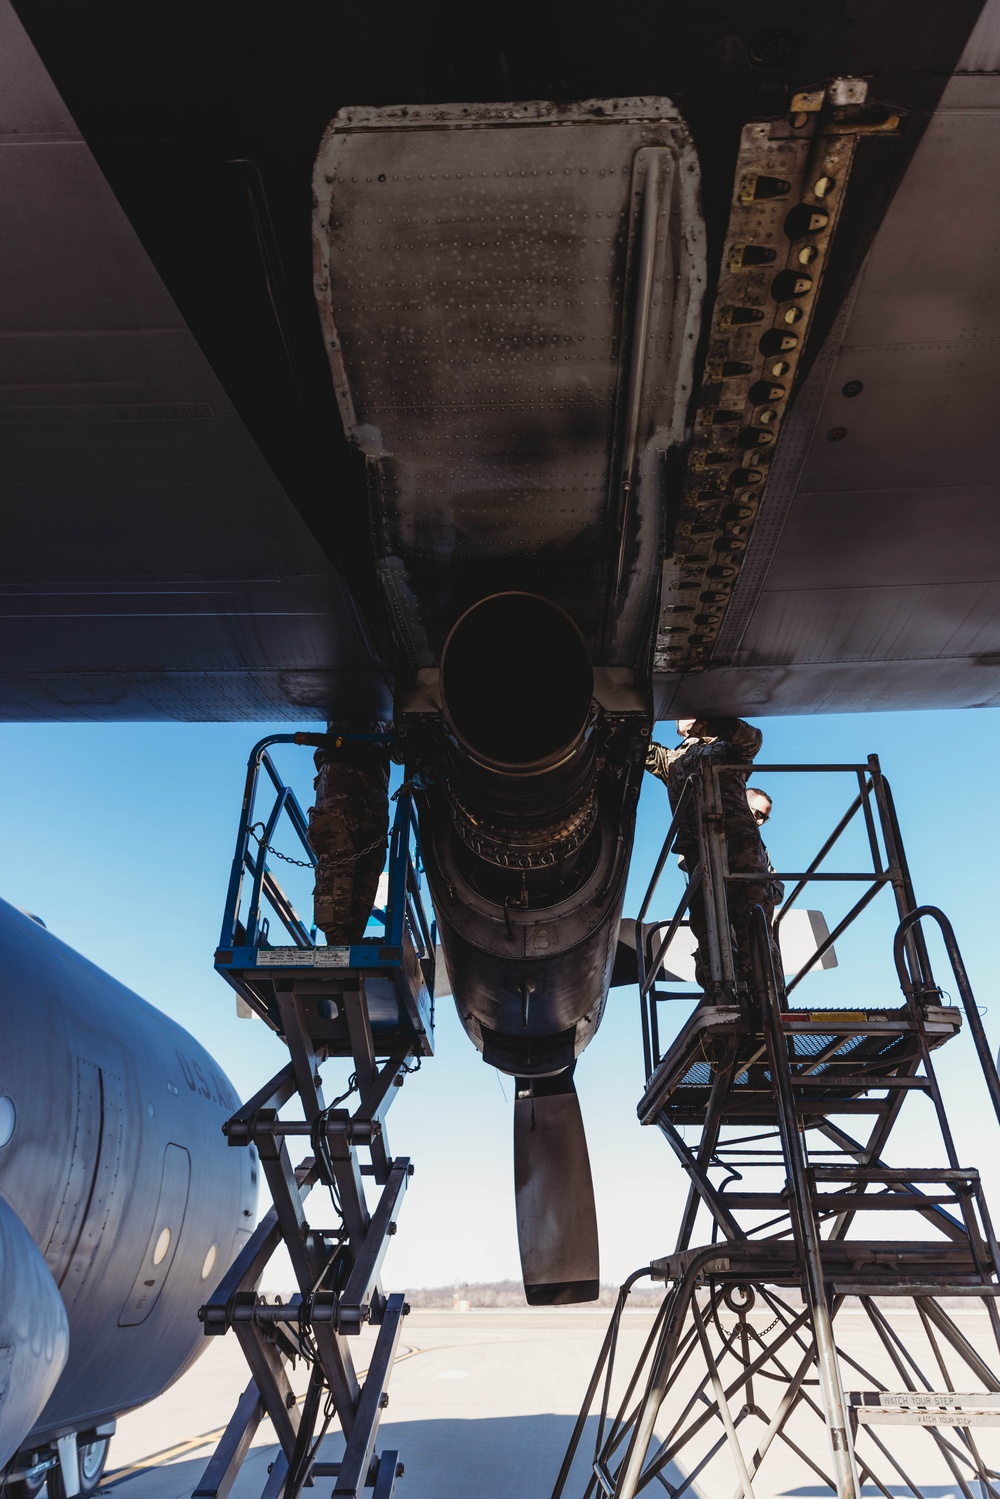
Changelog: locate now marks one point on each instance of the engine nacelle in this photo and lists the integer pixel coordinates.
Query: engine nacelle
(527, 833)
(112, 1157)
(34, 1333)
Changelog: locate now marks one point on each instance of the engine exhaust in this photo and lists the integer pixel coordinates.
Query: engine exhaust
(516, 684)
(517, 689)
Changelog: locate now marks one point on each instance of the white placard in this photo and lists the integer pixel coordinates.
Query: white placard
(304, 957)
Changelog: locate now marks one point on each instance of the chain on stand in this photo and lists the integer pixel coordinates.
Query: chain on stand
(267, 848)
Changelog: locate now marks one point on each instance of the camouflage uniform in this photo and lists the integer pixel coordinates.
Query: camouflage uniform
(348, 829)
(776, 888)
(745, 849)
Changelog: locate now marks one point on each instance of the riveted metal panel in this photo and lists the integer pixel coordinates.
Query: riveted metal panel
(164, 1237)
(79, 1180)
(792, 179)
(480, 278)
(876, 555)
(896, 623)
(104, 1185)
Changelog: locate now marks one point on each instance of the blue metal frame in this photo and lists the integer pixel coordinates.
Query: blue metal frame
(244, 862)
(405, 951)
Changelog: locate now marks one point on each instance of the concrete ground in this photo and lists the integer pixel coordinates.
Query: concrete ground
(482, 1405)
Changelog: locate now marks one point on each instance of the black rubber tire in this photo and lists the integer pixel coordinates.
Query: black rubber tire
(27, 1487)
(92, 1457)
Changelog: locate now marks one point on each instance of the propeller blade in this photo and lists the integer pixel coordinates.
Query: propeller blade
(554, 1194)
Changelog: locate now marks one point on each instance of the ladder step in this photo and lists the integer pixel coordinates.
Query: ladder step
(882, 1202)
(910, 1288)
(859, 1081)
(744, 1200)
(893, 1174)
(848, 1105)
(927, 1418)
(917, 1400)
(925, 1408)
(811, 1025)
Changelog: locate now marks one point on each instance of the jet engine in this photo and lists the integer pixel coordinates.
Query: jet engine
(526, 866)
(527, 822)
(115, 1176)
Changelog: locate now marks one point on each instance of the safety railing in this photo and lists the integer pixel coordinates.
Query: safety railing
(648, 994)
(910, 985)
(713, 878)
(246, 922)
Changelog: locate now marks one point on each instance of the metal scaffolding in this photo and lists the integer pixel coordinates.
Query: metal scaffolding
(753, 1088)
(371, 1004)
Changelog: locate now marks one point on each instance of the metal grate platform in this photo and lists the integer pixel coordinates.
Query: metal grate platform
(840, 1056)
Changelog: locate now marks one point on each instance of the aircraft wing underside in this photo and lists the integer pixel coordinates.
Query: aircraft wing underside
(153, 565)
(187, 531)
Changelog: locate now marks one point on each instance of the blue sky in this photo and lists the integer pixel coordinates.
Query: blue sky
(120, 837)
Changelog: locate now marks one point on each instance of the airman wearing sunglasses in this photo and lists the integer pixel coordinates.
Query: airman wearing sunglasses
(726, 741)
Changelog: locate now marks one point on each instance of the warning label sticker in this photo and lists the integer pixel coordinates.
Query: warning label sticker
(304, 957)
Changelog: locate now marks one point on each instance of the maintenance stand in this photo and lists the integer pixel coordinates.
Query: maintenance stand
(753, 1085)
(373, 1005)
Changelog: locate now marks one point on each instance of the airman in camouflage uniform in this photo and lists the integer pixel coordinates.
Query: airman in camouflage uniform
(348, 829)
(722, 741)
(760, 804)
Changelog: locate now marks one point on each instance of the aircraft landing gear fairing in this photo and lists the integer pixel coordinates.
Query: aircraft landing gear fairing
(91, 1455)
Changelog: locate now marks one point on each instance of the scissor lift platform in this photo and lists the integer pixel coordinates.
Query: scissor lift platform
(371, 1003)
(395, 969)
(400, 1005)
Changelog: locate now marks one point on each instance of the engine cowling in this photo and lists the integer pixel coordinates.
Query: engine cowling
(115, 1163)
(527, 834)
(34, 1333)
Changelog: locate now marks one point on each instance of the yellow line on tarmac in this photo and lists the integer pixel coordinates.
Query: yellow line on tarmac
(192, 1444)
(118, 1475)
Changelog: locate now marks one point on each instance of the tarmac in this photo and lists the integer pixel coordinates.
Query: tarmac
(482, 1405)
